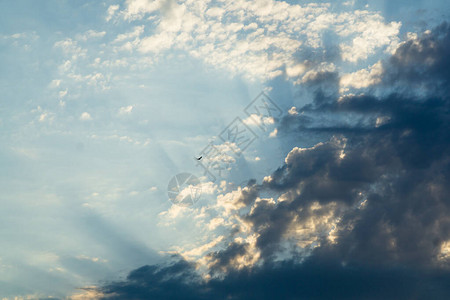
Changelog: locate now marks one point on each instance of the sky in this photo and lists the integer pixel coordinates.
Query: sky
(322, 126)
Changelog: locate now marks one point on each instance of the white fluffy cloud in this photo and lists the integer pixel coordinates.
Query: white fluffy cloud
(258, 39)
(368, 32)
(362, 78)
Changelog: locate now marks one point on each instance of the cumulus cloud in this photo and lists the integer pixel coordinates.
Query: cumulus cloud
(263, 42)
(362, 214)
(258, 120)
(369, 36)
(363, 78)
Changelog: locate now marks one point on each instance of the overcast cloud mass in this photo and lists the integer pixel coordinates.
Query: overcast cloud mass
(341, 193)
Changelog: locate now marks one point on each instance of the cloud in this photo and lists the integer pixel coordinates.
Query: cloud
(54, 83)
(85, 116)
(137, 31)
(91, 34)
(362, 214)
(274, 133)
(86, 294)
(24, 40)
(70, 47)
(264, 42)
(258, 120)
(137, 8)
(126, 110)
(311, 280)
(112, 9)
(390, 165)
(62, 94)
(363, 78)
(370, 35)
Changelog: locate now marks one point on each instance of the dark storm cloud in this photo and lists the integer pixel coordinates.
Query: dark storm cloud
(424, 63)
(176, 281)
(312, 279)
(400, 166)
(391, 150)
(223, 258)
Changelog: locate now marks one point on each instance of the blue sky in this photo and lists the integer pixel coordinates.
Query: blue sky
(103, 103)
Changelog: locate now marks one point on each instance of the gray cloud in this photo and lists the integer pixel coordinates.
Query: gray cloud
(385, 168)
